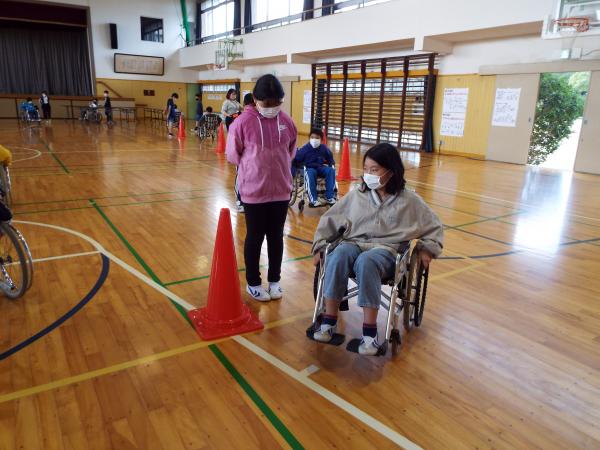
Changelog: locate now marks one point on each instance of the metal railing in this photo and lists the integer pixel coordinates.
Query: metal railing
(307, 14)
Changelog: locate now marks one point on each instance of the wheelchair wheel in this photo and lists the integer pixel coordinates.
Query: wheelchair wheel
(421, 309)
(316, 280)
(294, 190)
(301, 205)
(395, 340)
(14, 265)
(5, 186)
(412, 307)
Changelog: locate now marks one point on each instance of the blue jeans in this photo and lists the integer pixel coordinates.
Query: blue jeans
(311, 175)
(370, 267)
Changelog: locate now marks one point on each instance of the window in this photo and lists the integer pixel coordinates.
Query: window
(217, 87)
(152, 29)
(265, 11)
(216, 19)
(347, 5)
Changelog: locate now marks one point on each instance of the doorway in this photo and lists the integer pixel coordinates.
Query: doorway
(558, 120)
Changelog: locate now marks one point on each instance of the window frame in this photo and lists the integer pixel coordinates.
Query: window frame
(161, 30)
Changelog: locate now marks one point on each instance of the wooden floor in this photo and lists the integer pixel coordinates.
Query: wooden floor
(508, 355)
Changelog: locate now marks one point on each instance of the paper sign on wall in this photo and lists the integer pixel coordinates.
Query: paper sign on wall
(506, 107)
(306, 106)
(454, 112)
(214, 97)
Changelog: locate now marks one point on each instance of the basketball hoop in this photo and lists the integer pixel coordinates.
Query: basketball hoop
(572, 25)
(228, 50)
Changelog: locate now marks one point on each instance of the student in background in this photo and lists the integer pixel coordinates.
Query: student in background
(248, 105)
(108, 109)
(231, 107)
(199, 112)
(171, 112)
(46, 108)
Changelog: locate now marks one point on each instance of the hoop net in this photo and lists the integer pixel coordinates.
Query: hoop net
(572, 25)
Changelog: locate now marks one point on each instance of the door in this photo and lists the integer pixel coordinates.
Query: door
(588, 152)
(511, 144)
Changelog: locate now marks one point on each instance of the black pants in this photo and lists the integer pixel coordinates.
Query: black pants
(47, 111)
(228, 122)
(264, 219)
(108, 114)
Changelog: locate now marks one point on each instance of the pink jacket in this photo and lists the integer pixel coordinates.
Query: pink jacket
(263, 150)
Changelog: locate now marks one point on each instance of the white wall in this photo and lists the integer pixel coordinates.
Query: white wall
(469, 57)
(126, 14)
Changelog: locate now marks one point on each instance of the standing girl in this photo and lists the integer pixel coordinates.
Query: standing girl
(231, 107)
(262, 143)
(46, 108)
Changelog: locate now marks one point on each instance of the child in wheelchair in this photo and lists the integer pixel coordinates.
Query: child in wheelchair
(378, 220)
(316, 160)
(30, 111)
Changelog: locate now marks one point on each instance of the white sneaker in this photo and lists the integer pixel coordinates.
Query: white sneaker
(368, 346)
(258, 293)
(331, 201)
(240, 208)
(325, 333)
(316, 203)
(275, 291)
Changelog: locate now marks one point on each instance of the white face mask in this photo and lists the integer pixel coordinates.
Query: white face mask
(315, 143)
(269, 113)
(373, 181)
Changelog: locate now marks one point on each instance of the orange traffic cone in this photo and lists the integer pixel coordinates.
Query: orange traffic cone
(344, 173)
(220, 140)
(181, 131)
(324, 136)
(225, 314)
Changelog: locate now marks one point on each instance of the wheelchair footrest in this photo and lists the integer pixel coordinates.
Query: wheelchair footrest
(355, 343)
(337, 339)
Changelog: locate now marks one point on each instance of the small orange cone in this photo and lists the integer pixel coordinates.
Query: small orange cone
(181, 131)
(324, 136)
(225, 314)
(220, 140)
(344, 173)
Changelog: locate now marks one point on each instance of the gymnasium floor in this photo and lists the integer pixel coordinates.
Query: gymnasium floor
(122, 223)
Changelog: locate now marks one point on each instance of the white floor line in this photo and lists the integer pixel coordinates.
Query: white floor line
(328, 395)
(37, 155)
(120, 262)
(308, 371)
(70, 255)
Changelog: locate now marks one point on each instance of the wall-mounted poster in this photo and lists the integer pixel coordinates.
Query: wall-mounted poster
(138, 64)
(306, 106)
(454, 112)
(506, 107)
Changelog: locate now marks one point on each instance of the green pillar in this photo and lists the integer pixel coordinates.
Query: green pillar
(186, 23)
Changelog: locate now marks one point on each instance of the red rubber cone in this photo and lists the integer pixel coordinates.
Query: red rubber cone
(220, 140)
(344, 173)
(181, 131)
(324, 136)
(225, 314)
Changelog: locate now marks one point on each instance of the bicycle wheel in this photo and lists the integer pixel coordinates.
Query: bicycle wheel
(5, 186)
(27, 253)
(13, 263)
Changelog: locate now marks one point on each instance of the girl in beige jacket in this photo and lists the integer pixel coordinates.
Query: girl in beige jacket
(379, 218)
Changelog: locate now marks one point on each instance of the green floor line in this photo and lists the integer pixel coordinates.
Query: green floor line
(258, 401)
(242, 269)
(56, 158)
(110, 197)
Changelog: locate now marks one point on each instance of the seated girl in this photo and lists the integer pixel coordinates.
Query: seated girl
(379, 218)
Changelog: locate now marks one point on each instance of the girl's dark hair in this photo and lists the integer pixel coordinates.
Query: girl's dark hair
(45, 92)
(268, 87)
(387, 156)
(175, 94)
(317, 132)
(248, 99)
(229, 92)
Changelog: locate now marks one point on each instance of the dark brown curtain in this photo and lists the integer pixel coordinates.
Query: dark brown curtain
(36, 57)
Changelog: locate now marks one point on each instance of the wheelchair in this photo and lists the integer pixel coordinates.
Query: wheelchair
(300, 191)
(407, 297)
(93, 115)
(209, 125)
(30, 117)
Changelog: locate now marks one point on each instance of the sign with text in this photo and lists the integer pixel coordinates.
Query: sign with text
(454, 112)
(506, 107)
(138, 64)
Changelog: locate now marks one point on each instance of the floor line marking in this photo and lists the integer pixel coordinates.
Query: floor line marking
(70, 255)
(172, 296)
(338, 401)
